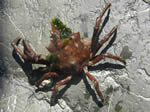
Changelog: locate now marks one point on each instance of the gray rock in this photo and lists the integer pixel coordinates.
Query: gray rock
(125, 89)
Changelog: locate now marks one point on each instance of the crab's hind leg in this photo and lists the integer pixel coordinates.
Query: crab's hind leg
(97, 25)
(29, 54)
(106, 55)
(105, 39)
(96, 85)
(58, 84)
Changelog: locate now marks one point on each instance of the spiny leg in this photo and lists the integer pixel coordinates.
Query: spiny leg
(30, 55)
(62, 82)
(45, 76)
(107, 55)
(96, 85)
(105, 39)
(97, 25)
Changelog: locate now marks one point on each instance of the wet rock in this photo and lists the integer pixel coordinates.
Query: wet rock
(125, 89)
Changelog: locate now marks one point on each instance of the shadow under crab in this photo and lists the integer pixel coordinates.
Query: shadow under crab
(69, 54)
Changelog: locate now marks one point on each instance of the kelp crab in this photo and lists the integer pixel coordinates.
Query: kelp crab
(68, 53)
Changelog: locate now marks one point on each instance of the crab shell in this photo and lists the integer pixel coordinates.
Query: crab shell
(72, 53)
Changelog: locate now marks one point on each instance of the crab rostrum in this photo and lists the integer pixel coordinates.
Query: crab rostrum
(69, 53)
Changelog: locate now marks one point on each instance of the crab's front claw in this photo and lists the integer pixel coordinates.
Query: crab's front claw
(14, 45)
(29, 54)
(14, 42)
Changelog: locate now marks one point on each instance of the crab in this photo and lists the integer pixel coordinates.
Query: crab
(68, 54)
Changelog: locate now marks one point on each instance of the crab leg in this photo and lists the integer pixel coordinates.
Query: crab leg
(30, 55)
(58, 84)
(97, 25)
(107, 55)
(105, 39)
(45, 76)
(95, 82)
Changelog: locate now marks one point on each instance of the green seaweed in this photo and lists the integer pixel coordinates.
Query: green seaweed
(65, 42)
(57, 23)
(65, 32)
(53, 60)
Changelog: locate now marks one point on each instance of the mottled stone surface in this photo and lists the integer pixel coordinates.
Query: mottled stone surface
(125, 89)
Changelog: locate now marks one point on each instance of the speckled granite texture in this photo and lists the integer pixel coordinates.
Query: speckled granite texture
(125, 89)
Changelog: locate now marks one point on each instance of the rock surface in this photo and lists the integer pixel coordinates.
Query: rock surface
(125, 89)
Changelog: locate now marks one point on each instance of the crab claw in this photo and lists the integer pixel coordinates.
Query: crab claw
(14, 42)
(17, 49)
(29, 54)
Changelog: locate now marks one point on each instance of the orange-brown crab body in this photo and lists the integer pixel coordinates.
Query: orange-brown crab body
(73, 55)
